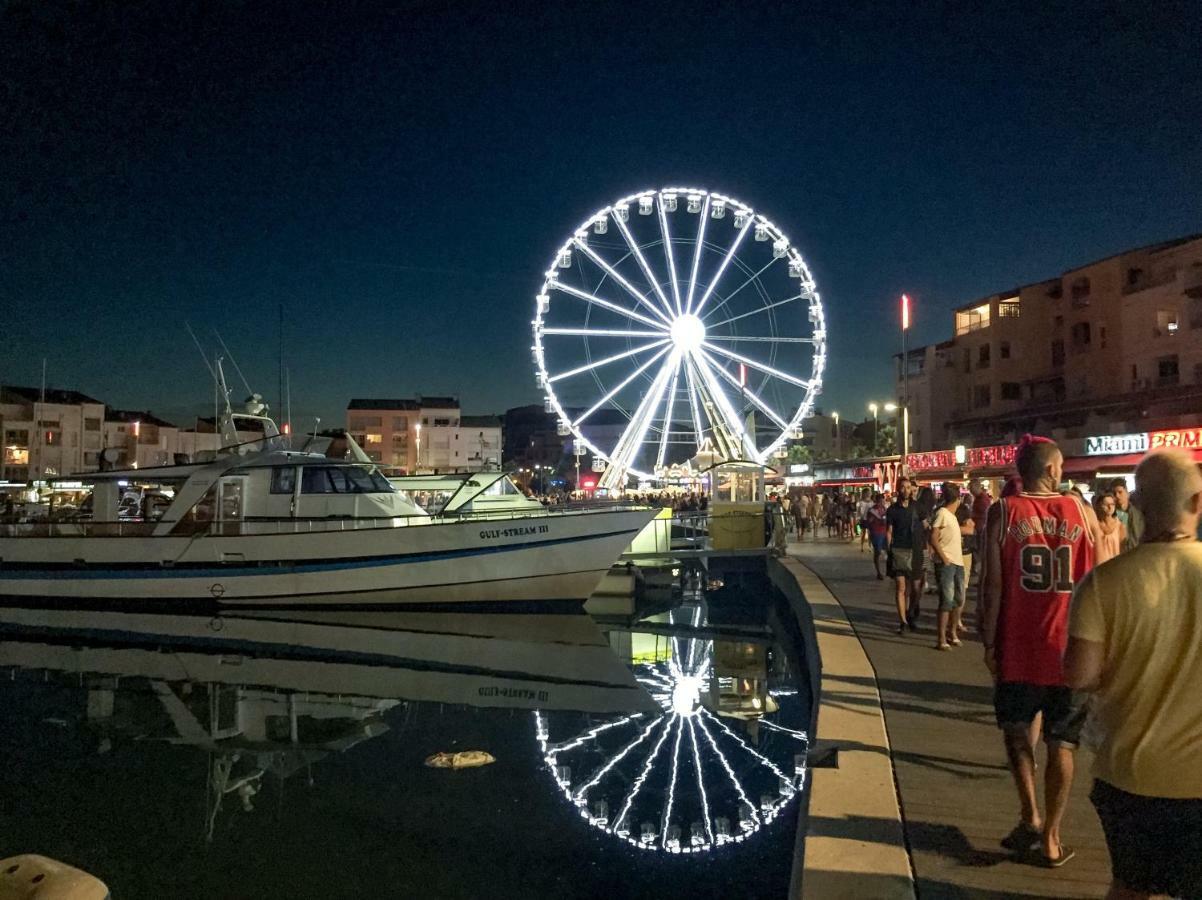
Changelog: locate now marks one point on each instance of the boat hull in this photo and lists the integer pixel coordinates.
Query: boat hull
(532, 559)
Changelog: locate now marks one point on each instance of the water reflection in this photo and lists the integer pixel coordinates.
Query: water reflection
(674, 734)
(684, 779)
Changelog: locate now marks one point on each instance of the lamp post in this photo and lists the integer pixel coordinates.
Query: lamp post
(418, 464)
(838, 438)
(891, 408)
(874, 408)
(905, 398)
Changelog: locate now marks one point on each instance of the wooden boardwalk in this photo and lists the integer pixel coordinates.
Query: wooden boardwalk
(955, 792)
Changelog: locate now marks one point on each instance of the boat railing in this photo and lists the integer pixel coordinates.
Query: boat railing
(263, 525)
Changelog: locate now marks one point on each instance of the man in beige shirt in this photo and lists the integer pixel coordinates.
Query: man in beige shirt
(1135, 640)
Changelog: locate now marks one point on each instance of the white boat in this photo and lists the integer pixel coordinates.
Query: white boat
(265, 526)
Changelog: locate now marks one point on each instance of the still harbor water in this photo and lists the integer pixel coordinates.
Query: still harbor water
(540, 753)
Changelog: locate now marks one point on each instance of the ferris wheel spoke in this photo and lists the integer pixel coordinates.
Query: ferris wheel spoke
(694, 407)
(632, 438)
(605, 304)
(642, 261)
(607, 360)
(754, 312)
(730, 254)
(746, 391)
(604, 770)
(730, 773)
(754, 275)
(616, 276)
(613, 393)
(663, 439)
(734, 425)
(769, 339)
(663, 227)
(705, 210)
(667, 818)
(705, 802)
(757, 365)
(601, 332)
(646, 770)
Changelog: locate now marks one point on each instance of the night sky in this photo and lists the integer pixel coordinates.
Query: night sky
(399, 180)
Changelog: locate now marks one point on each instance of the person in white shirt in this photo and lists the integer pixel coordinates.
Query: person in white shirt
(949, 565)
(862, 507)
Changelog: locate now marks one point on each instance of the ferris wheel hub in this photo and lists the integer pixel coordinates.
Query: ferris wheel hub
(687, 332)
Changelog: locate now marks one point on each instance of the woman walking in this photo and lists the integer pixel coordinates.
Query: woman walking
(924, 510)
(1114, 532)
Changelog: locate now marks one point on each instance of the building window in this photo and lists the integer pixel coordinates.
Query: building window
(1009, 309)
(1166, 323)
(1057, 353)
(1058, 321)
(1004, 349)
(362, 423)
(1079, 289)
(1198, 373)
(1195, 312)
(400, 423)
(1012, 390)
(372, 438)
(972, 319)
(1102, 336)
(1080, 335)
(983, 356)
(980, 396)
(1166, 371)
(91, 424)
(967, 360)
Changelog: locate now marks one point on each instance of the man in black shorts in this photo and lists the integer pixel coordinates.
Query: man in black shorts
(899, 539)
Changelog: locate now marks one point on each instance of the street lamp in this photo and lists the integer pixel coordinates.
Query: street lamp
(838, 437)
(418, 465)
(874, 408)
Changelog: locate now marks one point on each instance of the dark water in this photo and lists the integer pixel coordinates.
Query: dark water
(188, 757)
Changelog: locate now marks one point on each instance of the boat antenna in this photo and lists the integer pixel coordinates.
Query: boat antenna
(203, 355)
(237, 368)
(288, 397)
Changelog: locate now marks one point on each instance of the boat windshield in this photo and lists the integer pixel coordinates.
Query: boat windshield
(343, 480)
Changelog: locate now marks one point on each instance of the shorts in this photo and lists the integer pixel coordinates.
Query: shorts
(1064, 711)
(878, 541)
(900, 561)
(951, 586)
(1155, 843)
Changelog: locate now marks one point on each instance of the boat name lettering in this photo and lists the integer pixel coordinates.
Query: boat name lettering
(516, 531)
(515, 693)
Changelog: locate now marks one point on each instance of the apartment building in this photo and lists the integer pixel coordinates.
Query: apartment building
(49, 433)
(1101, 348)
(426, 434)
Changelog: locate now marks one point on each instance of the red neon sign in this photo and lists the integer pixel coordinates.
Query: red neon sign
(1184, 438)
(997, 457)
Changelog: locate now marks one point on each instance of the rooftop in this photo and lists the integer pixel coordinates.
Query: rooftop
(134, 415)
(10, 393)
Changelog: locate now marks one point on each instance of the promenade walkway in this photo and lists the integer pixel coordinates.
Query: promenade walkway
(956, 795)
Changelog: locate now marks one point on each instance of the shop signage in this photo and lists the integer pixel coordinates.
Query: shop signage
(1105, 444)
(799, 468)
(934, 459)
(996, 457)
(1185, 438)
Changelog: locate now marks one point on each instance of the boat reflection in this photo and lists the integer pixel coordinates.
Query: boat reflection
(265, 697)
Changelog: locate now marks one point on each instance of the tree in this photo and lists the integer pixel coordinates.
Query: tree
(799, 453)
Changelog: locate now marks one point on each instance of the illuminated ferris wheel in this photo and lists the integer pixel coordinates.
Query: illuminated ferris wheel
(685, 780)
(690, 314)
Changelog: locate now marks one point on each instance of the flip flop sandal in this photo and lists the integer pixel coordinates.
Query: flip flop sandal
(1066, 853)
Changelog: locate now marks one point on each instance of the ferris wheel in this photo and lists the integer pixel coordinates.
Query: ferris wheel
(674, 320)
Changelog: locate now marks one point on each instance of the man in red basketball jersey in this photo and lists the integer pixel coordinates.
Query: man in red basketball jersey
(1040, 544)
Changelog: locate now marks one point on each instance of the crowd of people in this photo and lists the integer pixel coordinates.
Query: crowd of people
(1086, 610)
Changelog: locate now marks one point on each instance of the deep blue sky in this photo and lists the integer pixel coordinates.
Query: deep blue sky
(400, 179)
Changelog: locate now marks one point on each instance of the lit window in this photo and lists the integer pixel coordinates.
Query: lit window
(370, 438)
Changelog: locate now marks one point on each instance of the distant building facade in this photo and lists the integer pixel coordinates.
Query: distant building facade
(1114, 346)
(425, 434)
